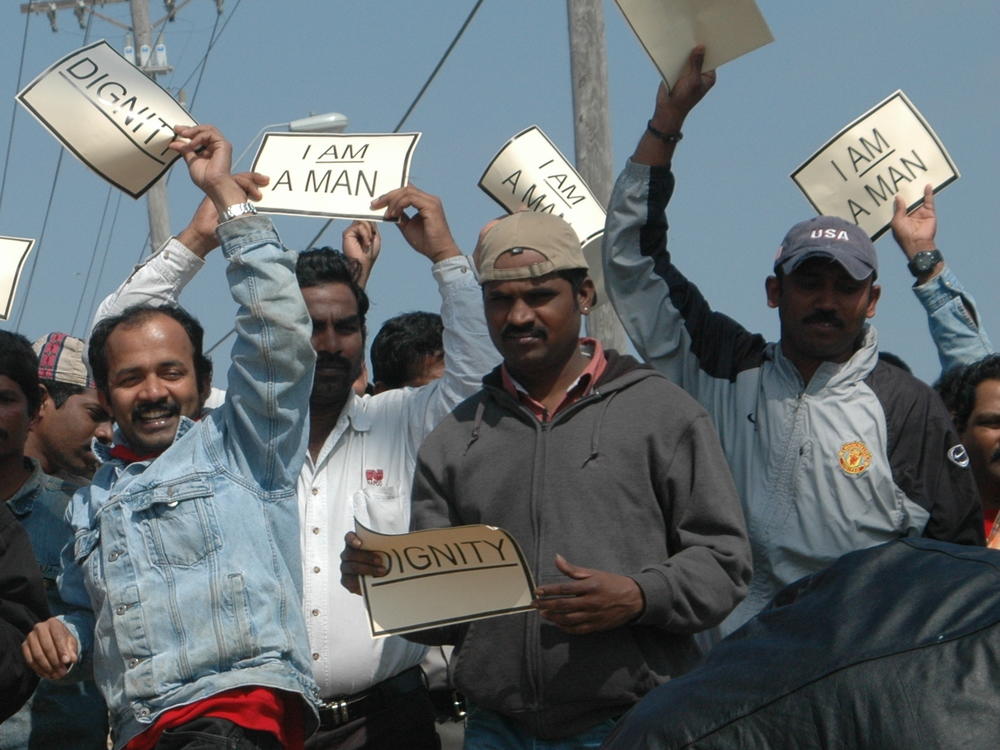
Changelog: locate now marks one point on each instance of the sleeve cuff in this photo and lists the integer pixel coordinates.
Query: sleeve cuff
(657, 594)
(237, 233)
(939, 291)
(455, 269)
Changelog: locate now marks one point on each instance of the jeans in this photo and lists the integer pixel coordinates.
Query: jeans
(209, 733)
(486, 730)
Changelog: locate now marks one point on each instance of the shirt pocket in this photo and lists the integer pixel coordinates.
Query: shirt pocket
(179, 524)
(83, 545)
(382, 509)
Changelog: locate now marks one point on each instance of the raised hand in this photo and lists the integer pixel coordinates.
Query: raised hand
(427, 230)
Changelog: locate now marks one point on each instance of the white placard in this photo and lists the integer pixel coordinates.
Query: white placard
(889, 150)
(669, 29)
(113, 118)
(442, 577)
(530, 172)
(332, 174)
(13, 254)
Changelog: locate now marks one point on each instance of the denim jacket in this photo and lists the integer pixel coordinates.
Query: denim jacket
(951, 316)
(56, 710)
(191, 560)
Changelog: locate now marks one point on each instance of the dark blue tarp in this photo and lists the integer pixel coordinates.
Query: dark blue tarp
(897, 646)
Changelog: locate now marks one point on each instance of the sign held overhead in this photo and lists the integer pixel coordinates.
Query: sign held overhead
(110, 115)
(889, 150)
(332, 174)
(530, 172)
(669, 29)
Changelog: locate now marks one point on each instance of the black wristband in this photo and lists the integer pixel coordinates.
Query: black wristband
(670, 138)
(924, 262)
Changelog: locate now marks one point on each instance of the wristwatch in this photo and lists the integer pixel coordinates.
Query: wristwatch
(924, 261)
(236, 210)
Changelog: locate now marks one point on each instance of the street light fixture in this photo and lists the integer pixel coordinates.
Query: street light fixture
(331, 122)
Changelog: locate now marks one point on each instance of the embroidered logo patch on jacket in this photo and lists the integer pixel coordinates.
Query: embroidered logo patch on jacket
(374, 476)
(855, 458)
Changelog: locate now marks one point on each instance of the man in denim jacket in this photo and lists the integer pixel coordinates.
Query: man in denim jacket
(186, 545)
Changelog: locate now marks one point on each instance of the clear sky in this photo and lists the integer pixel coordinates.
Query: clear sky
(277, 61)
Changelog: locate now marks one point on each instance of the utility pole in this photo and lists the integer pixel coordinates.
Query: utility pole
(142, 32)
(592, 139)
(156, 197)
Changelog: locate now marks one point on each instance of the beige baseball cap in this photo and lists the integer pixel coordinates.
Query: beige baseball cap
(548, 235)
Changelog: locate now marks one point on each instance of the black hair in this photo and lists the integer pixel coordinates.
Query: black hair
(325, 265)
(962, 387)
(19, 362)
(59, 392)
(575, 277)
(402, 345)
(133, 316)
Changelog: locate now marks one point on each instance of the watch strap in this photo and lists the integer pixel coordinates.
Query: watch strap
(669, 138)
(236, 210)
(924, 261)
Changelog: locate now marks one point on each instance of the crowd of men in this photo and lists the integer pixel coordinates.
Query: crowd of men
(179, 566)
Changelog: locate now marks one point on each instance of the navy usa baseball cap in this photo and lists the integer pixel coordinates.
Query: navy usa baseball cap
(828, 237)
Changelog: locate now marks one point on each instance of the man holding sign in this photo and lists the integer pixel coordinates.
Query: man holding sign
(614, 485)
(185, 574)
(832, 450)
(361, 449)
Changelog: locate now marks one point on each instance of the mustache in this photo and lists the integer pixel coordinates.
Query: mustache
(163, 405)
(325, 360)
(511, 332)
(823, 316)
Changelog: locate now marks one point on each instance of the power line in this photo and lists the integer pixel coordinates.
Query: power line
(402, 120)
(41, 240)
(48, 210)
(417, 98)
(204, 59)
(93, 256)
(438, 67)
(104, 258)
(199, 69)
(13, 112)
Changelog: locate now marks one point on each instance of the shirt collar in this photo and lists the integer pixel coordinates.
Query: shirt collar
(579, 388)
(118, 448)
(23, 500)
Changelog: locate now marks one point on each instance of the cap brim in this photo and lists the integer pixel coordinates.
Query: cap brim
(855, 268)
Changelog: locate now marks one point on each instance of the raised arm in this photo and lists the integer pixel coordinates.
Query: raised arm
(160, 278)
(468, 352)
(264, 418)
(954, 324)
(665, 315)
(663, 132)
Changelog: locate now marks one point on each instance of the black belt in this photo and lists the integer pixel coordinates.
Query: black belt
(338, 711)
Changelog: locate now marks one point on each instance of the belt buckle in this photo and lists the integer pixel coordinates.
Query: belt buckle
(339, 710)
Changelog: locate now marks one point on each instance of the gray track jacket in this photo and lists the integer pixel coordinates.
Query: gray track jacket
(860, 455)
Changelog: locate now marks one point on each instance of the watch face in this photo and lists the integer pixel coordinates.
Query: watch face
(924, 261)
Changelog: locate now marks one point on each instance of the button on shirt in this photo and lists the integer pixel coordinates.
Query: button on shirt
(374, 434)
